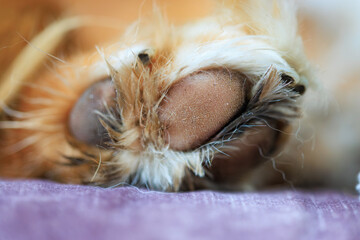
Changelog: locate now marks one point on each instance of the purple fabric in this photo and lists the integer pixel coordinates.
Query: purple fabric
(42, 210)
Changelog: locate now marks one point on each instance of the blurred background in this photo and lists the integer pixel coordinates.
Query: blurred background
(23, 19)
(331, 28)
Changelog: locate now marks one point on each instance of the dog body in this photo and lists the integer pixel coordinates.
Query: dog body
(230, 102)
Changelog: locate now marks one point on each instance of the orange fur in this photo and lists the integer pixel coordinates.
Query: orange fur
(257, 40)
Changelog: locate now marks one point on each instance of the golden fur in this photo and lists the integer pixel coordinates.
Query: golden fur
(257, 39)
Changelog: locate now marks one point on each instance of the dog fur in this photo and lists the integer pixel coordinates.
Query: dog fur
(265, 143)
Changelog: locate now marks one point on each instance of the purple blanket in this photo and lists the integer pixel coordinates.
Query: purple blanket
(42, 211)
